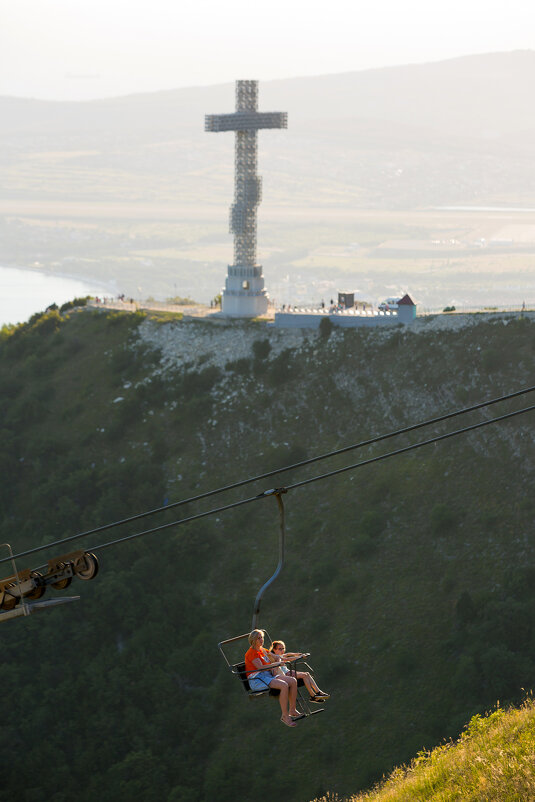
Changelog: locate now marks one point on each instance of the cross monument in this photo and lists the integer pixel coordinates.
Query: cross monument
(244, 294)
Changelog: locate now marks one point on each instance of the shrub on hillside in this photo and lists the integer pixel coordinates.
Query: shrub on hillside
(363, 546)
(395, 340)
(121, 359)
(372, 523)
(443, 519)
(405, 660)
(241, 366)
(6, 331)
(280, 369)
(465, 609)
(74, 303)
(47, 323)
(466, 680)
(490, 359)
(325, 328)
(202, 381)
(461, 394)
(505, 672)
(261, 349)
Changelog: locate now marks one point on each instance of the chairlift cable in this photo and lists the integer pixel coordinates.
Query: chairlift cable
(195, 517)
(412, 447)
(268, 474)
(268, 493)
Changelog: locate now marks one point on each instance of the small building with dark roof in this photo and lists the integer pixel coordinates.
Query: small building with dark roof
(406, 309)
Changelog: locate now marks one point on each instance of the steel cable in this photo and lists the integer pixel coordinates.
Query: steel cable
(304, 482)
(268, 474)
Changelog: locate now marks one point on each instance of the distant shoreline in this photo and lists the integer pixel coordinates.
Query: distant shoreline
(512, 209)
(70, 276)
(32, 289)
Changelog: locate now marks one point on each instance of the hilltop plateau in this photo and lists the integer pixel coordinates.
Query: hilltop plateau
(410, 581)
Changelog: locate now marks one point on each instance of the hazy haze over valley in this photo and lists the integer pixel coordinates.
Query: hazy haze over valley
(132, 191)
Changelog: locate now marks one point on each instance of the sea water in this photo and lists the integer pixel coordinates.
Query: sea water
(24, 292)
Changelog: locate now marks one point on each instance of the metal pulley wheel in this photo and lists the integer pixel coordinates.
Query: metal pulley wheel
(61, 584)
(39, 589)
(86, 566)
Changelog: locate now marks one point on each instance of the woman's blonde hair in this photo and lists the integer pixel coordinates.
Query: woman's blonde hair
(254, 635)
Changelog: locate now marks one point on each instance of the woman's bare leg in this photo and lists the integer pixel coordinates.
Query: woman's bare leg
(283, 687)
(292, 693)
(293, 697)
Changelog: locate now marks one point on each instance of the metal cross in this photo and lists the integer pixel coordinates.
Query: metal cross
(246, 121)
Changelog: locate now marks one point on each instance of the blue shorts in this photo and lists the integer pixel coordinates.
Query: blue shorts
(261, 681)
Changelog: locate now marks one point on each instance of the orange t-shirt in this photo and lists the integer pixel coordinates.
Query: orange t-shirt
(253, 654)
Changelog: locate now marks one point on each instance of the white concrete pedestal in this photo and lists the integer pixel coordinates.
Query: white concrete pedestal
(244, 294)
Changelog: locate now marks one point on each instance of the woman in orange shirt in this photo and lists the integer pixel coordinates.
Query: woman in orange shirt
(258, 665)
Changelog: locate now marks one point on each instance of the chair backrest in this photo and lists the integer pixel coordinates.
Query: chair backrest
(239, 670)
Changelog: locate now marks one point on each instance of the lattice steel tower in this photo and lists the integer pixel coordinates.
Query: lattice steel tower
(244, 294)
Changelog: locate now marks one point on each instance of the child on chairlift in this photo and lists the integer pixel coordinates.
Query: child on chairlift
(278, 650)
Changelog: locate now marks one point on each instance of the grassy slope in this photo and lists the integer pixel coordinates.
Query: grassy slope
(409, 581)
(493, 761)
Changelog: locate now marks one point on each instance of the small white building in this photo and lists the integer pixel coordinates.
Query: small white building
(310, 318)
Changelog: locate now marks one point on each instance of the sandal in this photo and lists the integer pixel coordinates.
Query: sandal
(289, 723)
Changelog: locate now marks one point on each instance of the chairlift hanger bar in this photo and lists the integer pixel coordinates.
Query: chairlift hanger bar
(267, 475)
(282, 536)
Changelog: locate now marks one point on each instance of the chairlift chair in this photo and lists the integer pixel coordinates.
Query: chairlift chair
(238, 668)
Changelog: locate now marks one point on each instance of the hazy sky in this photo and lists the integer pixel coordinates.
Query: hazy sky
(81, 49)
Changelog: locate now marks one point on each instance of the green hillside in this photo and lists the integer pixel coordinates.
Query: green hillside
(493, 760)
(410, 581)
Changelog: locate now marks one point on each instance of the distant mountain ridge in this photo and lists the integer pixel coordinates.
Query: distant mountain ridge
(482, 96)
(138, 191)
